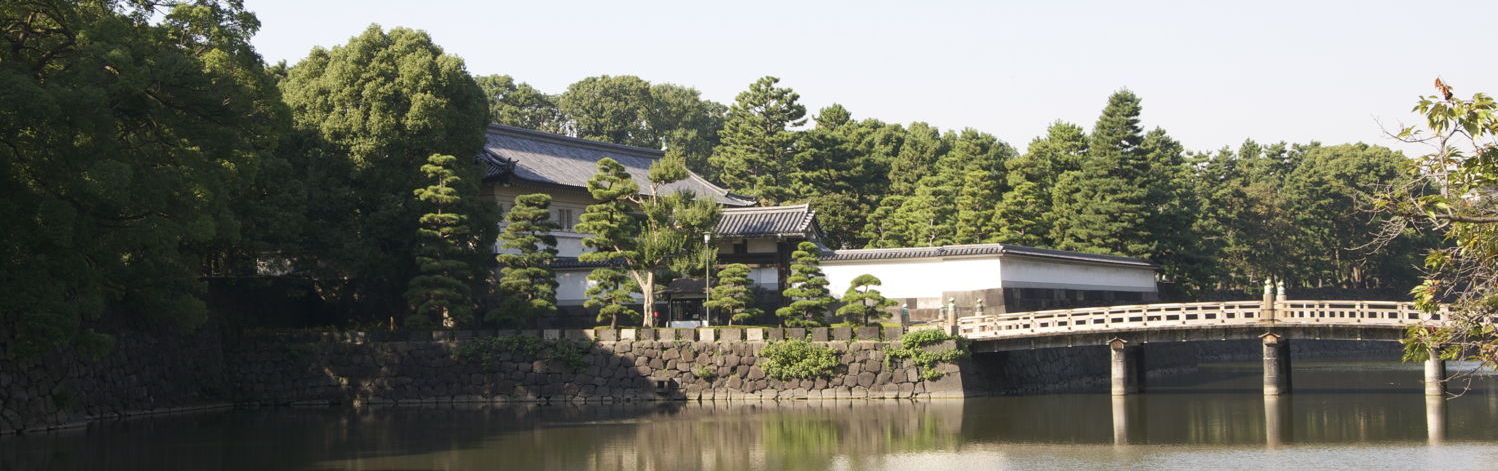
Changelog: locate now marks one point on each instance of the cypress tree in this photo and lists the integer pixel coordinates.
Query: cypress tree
(732, 295)
(758, 149)
(864, 302)
(440, 291)
(527, 284)
(808, 289)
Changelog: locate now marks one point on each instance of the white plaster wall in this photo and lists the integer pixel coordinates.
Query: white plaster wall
(1020, 272)
(571, 284)
(765, 277)
(917, 278)
(569, 243)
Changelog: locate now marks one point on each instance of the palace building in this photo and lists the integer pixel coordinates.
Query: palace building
(1004, 277)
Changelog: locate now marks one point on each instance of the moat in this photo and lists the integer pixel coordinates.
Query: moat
(1351, 415)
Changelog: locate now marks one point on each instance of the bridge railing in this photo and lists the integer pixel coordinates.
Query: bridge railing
(1111, 317)
(1379, 313)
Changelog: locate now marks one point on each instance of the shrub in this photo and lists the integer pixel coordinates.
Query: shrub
(913, 347)
(798, 359)
(704, 372)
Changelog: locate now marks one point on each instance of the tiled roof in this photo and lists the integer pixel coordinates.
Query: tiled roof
(978, 249)
(560, 160)
(794, 220)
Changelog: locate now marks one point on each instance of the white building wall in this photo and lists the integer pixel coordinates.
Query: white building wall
(571, 284)
(917, 277)
(1020, 272)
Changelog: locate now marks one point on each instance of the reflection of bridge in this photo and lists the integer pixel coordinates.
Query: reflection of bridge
(1125, 329)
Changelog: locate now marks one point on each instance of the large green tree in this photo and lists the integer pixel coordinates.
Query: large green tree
(375, 108)
(519, 104)
(732, 295)
(758, 150)
(527, 285)
(625, 109)
(1102, 208)
(1024, 214)
(133, 137)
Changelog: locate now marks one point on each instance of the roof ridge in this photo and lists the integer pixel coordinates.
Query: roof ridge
(788, 207)
(532, 133)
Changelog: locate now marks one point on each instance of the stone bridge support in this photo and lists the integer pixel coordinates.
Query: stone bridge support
(1276, 364)
(1435, 376)
(1127, 366)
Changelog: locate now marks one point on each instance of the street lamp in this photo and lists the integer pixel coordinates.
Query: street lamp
(707, 276)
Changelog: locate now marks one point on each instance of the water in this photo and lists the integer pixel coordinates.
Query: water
(1341, 416)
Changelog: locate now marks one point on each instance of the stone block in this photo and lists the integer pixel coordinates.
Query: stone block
(608, 335)
(868, 333)
(819, 334)
(707, 335)
(668, 335)
(775, 334)
(842, 333)
(795, 333)
(530, 333)
(754, 335)
(731, 335)
(463, 334)
(647, 334)
(507, 333)
(893, 332)
(627, 334)
(577, 334)
(551, 334)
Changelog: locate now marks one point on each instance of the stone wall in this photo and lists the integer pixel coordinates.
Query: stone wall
(278, 370)
(143, 374)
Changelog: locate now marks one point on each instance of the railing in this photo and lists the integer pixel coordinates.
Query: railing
(1061, 321)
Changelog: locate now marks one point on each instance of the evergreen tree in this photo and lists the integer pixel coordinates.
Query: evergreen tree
(441, 291)
(843, 173)
(807, 287)
(628, 110)
(758, 149)
(922, 147)
(980, 159)
(520, 105)
(864, 302)
(732, 296)
(377, 107)
(1101, 208)
(527, 284)
(1024, 215)
(610, 294)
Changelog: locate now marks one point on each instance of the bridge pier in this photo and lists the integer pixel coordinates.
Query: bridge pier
(1435, 376)
(1127, 367)
(1276, 364)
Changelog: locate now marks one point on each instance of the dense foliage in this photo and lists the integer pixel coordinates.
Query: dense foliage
(732, 295)
(806, 289)
(863, 303)
(922, 349)
(798, 359)
(527, 285)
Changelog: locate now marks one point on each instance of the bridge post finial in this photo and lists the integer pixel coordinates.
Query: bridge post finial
(1266, 306)
(1280, 289)
(978, 307)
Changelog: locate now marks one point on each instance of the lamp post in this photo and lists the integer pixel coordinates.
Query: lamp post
(707, 276)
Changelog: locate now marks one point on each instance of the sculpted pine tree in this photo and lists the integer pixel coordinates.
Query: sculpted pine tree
(610, 295)
(440, 291)
(758, 150)
(663, 237)
(865, 303)
(807, 289)
(732, 296)
(527, 285)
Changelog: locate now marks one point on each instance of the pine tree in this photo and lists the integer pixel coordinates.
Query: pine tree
(865, 302)
(1024, 215)
(441, 290)
(807, 288)
(758, 149)
(527, 284)
(611, 228)
(732, 295)
(610, 294)
(1102, 207)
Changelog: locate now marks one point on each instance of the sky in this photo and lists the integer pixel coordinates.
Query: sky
(1212, 74)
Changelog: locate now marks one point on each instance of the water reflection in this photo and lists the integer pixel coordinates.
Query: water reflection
(1347, 413)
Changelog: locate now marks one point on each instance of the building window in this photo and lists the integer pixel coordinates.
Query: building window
(564, 219)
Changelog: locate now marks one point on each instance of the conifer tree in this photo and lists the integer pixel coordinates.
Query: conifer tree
(610, 294)
(758, 149)
(1101, 208)
(611, 228)
(1024, 215)
(864, 302)
(732, 295)
(527, 284)
(807, 287)
(440, 291)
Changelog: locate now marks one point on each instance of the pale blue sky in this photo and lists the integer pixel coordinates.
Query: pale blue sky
(1210, 74)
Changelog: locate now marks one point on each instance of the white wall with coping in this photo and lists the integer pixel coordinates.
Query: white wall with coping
(917, 277)
(1025, 272)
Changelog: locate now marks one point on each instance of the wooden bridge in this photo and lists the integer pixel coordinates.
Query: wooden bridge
(1124, 329)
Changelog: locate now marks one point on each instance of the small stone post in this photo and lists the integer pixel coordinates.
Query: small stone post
(1279, 288)
(978, 307)
(1435, 375)
(1124, 378)
(951, 316)
(904, 315)
(1276, 365)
